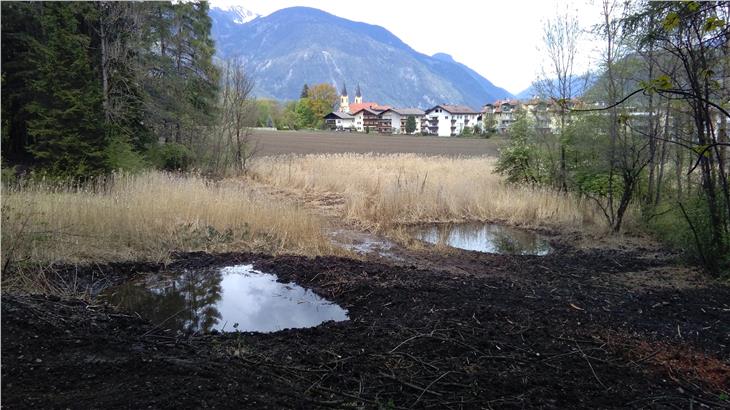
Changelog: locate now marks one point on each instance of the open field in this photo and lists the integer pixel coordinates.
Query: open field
(381, 191)
(330, 142)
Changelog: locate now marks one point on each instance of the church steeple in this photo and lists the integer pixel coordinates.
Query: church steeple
(344, 99)
(358, 95)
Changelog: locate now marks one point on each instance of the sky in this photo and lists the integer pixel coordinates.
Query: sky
(498, 39)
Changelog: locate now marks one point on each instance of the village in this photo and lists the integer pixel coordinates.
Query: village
(443, 120)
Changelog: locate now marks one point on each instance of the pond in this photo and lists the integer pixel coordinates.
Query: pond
(235, 298)
(489, 238)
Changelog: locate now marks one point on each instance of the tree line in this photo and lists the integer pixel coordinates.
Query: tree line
(307, 112)
(649, 141)
(89, 87)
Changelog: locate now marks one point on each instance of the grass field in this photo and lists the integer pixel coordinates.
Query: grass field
(148, 216)
(330, 142)
(381, 191)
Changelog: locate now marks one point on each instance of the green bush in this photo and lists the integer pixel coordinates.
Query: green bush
(9, 175)
(516, 162)
(674, 229)
(120, 156)
(171, 157)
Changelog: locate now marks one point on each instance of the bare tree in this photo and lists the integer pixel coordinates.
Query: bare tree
(561, 35)
(232, 144)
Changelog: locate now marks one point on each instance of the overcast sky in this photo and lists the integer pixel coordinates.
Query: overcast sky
(498, 39)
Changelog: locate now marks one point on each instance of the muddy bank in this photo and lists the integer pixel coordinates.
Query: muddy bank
(468, 330)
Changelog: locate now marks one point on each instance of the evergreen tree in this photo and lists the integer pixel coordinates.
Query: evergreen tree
(67, 127)
(305, 92)
(410, 124)
(20, 23)
(180, 78)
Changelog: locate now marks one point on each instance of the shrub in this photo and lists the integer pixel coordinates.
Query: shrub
(172, 157)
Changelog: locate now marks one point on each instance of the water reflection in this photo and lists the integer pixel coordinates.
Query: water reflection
(234, 296)
(484, 238)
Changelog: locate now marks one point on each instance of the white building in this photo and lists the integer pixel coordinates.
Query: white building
(450, 120)
(339, 121)
(393, 120)
(366, 119)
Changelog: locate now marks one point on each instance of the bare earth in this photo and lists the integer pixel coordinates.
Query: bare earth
(330, 142)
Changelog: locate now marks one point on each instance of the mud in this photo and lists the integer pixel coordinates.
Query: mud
(572, 329)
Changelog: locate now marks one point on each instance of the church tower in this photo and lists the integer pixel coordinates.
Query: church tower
(344, 99)
(358, 95)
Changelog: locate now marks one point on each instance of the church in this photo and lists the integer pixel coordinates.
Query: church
(358, 105)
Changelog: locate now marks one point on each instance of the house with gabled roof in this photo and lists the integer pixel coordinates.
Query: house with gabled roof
(448, 120)
(393, 120)
(339, 121)
(367, 119)
(502, 113)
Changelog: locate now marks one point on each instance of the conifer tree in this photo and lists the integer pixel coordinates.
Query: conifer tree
(67, 128)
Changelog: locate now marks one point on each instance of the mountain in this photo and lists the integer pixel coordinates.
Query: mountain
(299, 45)
(579, 83)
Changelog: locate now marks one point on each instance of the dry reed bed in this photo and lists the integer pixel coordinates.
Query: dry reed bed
(382, 191)
(148, 216)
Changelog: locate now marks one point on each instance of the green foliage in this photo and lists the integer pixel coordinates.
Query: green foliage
(87, 86)
(467, 132)
(67, 125)
(9, 175)
(596, 183)
(121, 156)
(515, 162)
(410, 124)
(305, 117)
(268, 113)
(674, 229)
(663, 82)
(519, 160)
(171, 157)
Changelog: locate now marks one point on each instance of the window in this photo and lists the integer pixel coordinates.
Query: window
(447, 117)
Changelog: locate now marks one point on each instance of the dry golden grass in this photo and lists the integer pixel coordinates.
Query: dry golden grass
(148, 216)
(382, 191)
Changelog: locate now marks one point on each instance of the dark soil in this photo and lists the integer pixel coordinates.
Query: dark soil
(331, 142)
(574, 329)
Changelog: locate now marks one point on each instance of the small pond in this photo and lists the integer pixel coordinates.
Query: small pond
(481, 237)
(235, 298)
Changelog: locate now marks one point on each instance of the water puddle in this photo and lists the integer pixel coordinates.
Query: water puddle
(363, 243)
(229, 299)
(484, 238)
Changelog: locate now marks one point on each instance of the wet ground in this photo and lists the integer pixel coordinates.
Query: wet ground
(621, 328)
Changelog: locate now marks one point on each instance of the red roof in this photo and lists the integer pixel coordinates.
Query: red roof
(371, 105)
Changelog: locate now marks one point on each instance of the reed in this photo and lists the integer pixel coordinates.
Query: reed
(383, 191)
(147, 217)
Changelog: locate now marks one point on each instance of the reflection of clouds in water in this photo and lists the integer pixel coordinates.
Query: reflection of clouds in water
(485, 238)
(207, 300)
(257, 302)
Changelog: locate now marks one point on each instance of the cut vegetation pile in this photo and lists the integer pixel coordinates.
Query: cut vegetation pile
(383, 190)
